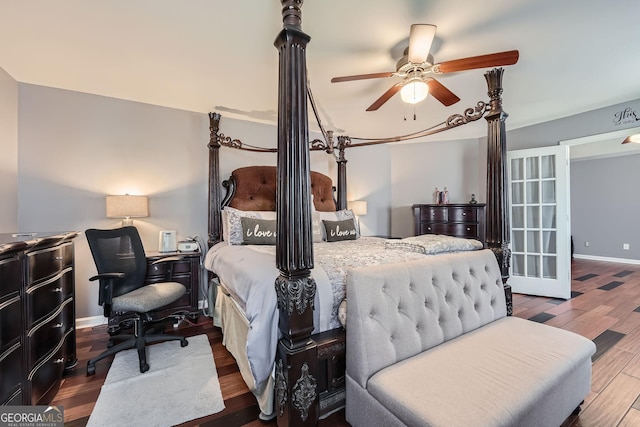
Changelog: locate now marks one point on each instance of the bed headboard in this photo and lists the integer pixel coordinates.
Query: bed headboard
(253, 188)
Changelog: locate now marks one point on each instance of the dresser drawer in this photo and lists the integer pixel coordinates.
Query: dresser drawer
(157, 272)
(14, 400)
(463, 215)
(45, 378)
(434, 228)
(462, 230)
(10, 366)
(10, 322)
(43, 338)
(10, 276)
(45, 262)
(45, 297)
(435, 213)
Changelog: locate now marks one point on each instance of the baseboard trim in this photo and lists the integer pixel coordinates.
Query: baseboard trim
(608, 259)
(90, 322)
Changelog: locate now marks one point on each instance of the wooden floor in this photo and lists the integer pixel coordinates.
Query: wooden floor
(605, 308)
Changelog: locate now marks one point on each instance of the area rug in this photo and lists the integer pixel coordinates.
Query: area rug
(181, 385)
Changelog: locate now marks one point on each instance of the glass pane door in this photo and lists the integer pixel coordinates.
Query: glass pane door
(539, 219)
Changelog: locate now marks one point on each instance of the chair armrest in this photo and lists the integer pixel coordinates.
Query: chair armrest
(105, 292)
(106, 276)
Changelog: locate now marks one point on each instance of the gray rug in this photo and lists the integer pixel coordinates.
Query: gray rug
(181, 385)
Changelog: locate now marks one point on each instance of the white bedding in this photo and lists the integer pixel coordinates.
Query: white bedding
(249, 272)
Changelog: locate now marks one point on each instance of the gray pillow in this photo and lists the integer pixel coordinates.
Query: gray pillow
(257, 231)
(340, 230)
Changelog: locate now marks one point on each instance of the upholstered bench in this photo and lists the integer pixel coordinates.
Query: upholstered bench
(429, 344)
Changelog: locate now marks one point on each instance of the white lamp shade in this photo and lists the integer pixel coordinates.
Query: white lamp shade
(414, 91)
(127, 206)
(359, 207)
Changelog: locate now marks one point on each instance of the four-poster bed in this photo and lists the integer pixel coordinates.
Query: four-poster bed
(307, 378)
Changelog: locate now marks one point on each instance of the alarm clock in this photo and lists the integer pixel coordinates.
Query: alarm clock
(188, 246)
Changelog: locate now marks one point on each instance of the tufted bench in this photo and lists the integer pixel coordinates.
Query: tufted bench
(429, 344)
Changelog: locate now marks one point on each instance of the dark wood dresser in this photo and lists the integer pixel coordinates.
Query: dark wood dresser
(459, 220)
(37, 315)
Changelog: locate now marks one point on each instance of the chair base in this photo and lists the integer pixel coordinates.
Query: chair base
(138, 340)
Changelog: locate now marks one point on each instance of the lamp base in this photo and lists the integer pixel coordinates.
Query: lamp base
(127, 222)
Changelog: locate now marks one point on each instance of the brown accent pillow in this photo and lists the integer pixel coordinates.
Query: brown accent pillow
(340, 230)
(257, 231)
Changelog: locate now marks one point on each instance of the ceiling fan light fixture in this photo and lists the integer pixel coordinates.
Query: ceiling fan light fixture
(414, 91)
(632, 138)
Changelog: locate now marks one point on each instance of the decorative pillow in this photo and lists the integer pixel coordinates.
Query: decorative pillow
(232, 227)
(316, 226)
(342, 313)
(340, 230)
(339, 216)
(257, 231)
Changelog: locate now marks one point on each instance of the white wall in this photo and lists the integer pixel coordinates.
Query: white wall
(418, 168)
(76, 148)
(607, 240)
(9, 157)
(368, 178)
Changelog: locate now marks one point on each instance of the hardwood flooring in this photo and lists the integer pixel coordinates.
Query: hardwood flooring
(605, 307)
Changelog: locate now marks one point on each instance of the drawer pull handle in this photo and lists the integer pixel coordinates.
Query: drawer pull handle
(468, 228)
(429, 228)
(464, 214)
(59, 325)
(57, 290)
(58, 258)
(61, 360)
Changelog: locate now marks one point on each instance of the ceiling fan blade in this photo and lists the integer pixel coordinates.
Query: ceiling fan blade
(509, 57)
(420, 39)
(361, 77)
(385, 97)
(441, 93)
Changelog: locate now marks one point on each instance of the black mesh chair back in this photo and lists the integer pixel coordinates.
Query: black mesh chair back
(119, 250)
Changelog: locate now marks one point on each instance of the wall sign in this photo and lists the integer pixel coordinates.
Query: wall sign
(626, 116)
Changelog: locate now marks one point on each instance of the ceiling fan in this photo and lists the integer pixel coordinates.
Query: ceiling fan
(417, 64)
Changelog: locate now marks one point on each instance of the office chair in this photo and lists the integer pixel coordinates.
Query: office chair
(122, 267)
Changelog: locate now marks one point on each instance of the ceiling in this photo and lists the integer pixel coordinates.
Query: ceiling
(218, 55)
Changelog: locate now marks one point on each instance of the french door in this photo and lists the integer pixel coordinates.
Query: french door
(540, 221)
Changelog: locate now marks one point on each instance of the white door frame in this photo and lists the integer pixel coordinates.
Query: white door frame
(530, 274)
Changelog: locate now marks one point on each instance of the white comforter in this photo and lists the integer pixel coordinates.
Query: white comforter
(249, 273)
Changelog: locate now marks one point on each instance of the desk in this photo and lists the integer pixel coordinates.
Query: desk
(185, 271)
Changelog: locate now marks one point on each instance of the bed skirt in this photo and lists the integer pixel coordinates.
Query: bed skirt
(235, 327)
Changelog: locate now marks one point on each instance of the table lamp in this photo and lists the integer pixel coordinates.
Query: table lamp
(127, 207)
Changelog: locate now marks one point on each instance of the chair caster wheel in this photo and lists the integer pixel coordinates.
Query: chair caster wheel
(109, 344)
(184, 342)
(91, 369)
(144, 367)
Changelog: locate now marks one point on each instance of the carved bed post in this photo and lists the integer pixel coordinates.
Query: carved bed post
(296, 367)
(343, 142)
(214, 179)
(498, 226)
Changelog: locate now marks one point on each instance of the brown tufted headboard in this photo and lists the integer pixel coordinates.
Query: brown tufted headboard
(253, 188)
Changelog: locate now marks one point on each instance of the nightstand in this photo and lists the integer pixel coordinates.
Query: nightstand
(186, 270)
